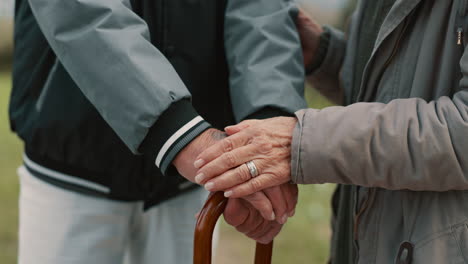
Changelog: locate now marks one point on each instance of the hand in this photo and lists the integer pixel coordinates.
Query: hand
(184, 160)
(282, 198)
(248, 221)
(309, 32)
(267, 143)
(261, 201)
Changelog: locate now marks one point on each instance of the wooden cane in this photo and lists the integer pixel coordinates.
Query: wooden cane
(212, 210)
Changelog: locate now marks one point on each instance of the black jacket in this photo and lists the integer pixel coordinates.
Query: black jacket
(66, 131)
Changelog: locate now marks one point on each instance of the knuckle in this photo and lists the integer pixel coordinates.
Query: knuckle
(265, 208)
(255, 185)
(228, 145)
(244, 174)
(230, 159)
(264, 147)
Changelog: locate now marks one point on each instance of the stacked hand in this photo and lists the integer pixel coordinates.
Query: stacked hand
(266, 143)
(259, 204)
(259, 215)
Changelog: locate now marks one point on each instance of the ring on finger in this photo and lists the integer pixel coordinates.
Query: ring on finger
(252, 169)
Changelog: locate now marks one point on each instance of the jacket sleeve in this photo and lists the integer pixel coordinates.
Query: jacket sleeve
(265, 58)
(325, 78)
(106, 49)
(405, 144)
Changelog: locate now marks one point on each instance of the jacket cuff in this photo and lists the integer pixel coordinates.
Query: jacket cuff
(334, 54)
(268, 112)
(173, 130)
(297, 176)
(321, 53)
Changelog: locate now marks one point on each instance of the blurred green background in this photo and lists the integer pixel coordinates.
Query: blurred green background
(304, 238)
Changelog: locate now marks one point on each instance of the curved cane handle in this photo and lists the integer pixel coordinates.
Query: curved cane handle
(206, 222)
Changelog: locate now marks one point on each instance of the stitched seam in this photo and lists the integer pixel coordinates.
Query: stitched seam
(429, 240)
(438, 234)
(299, 151)
(460, 248)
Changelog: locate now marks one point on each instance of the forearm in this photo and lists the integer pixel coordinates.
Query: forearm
(105, 48)
(324, 69)
(405, 144)
(264, 56)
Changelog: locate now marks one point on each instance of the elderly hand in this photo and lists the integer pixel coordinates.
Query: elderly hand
(275, 203)
(267, 143)
(247, 220)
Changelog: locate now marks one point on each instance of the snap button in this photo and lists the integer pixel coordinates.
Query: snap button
(405, 253)
(170, 51)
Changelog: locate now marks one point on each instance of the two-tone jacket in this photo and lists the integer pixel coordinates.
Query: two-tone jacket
(105, 93)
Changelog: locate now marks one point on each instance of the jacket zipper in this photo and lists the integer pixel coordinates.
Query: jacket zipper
(460, 21)
(371, 192)
(393, 54)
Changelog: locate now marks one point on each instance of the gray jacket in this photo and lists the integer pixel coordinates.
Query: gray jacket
(405, 142)
(110, 57)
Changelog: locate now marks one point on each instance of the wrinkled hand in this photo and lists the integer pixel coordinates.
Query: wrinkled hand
(184, 160)
(265, 142)
(248, 221)
(309, 32)
(276, 203)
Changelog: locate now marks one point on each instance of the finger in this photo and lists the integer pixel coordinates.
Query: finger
(256, 184)
(227, 144)
(277, 199)
(262, 204)
(253, 221)
(231, 160)
(270, 235)
(230, 130)
(290, 192)
(229, 179)
(235, 212)
(261, 230)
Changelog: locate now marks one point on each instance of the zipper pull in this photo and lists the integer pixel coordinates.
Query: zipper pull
(459, 35)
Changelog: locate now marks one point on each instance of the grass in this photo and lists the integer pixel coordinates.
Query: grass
(304, 239)
(10, 159)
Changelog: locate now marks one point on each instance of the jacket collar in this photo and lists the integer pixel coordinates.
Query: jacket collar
(400, 10)
(397, 14)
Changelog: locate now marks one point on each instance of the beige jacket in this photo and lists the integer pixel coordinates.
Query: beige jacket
(406, 141)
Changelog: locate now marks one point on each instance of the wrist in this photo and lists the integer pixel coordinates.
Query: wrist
(184, 160)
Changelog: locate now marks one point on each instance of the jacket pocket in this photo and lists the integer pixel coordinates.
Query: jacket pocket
(447, 246)
(461, 236)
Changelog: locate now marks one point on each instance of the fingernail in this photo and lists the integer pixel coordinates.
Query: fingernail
(272, 217)
(209, 186)
(198, 163)
(199, 178)
(227, 194)
(291, 214)
(284, 219)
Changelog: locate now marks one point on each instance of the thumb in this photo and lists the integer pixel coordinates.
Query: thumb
(231, 130)
(235, 213)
